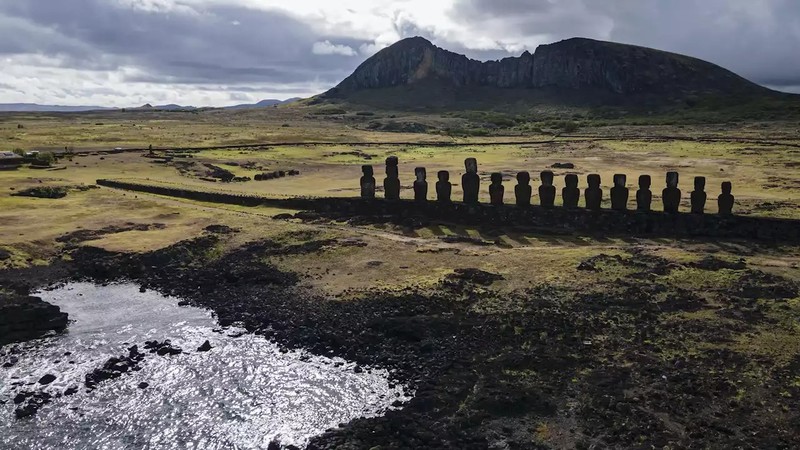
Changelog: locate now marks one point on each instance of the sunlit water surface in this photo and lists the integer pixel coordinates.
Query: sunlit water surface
(242, 394)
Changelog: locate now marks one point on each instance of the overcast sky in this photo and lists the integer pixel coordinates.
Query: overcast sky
(222, 52)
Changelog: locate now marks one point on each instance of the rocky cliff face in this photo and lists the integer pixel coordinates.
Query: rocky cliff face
(571, 64)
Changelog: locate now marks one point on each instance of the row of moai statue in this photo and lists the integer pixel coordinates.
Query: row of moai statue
(593, 194)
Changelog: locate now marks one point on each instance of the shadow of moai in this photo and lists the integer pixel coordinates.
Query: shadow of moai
(671, 195)
(444, 189)
(644, 197)
(619, 193)
(547, 192)
(420, 185)
(367, 182)
(523, 190)
(725, 199)
(698, 196)
(593, 194)
(571, 194)
(470, 181)
(496, 189)
(391, 184)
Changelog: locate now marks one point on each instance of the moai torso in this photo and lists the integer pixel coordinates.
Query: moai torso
(671, 195)
(496, 189)
(367, 183)
(644, 198)
(522, 190)
(571, 194)
(443, 187)
(698, 196)
(725, 199)
(391, 184)
(547, 192)
(619, 193)
(420, 185)
(470, 181)
(593, 194)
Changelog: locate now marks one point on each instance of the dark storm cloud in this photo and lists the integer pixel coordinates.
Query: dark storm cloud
(212, 44)
(758, 39)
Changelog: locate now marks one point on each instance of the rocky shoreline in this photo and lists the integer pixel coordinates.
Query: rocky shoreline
(608, 366)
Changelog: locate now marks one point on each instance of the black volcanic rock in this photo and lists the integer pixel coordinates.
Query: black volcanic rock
(572, 64)
(27, 317)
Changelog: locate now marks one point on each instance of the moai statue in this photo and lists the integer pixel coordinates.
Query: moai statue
(470, 181)
(593, 194)
(367, 183)
(547, 192)
(523, 189)
(391, 184)
(420, 185)
(644, 198)
(443, 187)
(671, 195)
(619, 193)
(496, 189)
(571, 194)
(698, 196)
(725, 200)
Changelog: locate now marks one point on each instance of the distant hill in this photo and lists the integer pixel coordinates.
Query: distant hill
(32, 107)
(415, 73)
(264, 103)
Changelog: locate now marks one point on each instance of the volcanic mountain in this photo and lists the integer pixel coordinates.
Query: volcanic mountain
(573, 71)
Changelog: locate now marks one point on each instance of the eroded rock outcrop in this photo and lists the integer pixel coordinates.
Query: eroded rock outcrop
(27, 317)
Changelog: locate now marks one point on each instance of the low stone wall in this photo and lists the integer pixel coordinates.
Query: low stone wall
(604, 221)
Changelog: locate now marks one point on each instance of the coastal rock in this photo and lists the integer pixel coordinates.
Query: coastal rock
(27, 317)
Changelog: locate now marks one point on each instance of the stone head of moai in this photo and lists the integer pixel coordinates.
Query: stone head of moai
(443, 187)
(698, 197)
(570, 193)
(671, 195)
(391, 166)
(593, 194)
(725, 199)
(420, 185)
(619, 193)
(496, 189)
(471, 164)
(699, 183)
(644, 198)
(547, 192)
(367, 170)
(547, 177)
(672, 179)
(523, 189)
(571, 180)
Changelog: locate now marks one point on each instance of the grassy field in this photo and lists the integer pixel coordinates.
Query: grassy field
(760, 158)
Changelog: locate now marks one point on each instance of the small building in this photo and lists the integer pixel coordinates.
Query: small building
(8, 155)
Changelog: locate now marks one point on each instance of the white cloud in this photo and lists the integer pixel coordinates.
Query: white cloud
(327, 48)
